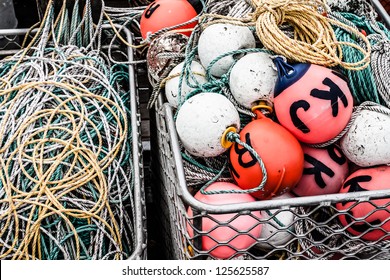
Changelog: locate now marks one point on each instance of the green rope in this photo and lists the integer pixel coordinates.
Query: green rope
(362, 83)
(213, 85)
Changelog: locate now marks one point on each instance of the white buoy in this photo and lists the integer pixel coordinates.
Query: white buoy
(218, 39)
(279, 228)
(172, 85)
(253, 78)
(367, 142)
(201, 122)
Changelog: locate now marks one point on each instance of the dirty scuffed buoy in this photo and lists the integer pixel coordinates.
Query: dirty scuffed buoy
(218, 39)
(237, 232)
(365, 218)
(202, 121)
(252, 79)
(172, 85)
(313, 102)
(280, 152)
(367, 142)
(172, 43)
(324, 171)
(166, 13)
(279, 228)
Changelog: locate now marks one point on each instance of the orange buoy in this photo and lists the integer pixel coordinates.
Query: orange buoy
(313, 102)
(280, 152)
(365, 218)
(165, 13)
(225, 234)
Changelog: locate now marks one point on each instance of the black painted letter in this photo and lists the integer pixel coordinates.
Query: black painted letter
(294, 116)
(332, 95)
(317, 169)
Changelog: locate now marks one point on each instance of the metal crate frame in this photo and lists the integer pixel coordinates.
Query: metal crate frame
(381, 11)
(140, 251)
(173, 199)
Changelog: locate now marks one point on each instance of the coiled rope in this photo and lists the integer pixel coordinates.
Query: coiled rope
(314, 40)
(66, 175)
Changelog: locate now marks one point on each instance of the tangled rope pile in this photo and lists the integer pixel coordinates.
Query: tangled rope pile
(66, 175)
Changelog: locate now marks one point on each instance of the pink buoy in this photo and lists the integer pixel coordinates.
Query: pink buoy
(313, 102)
(324, 171)
(365, 218)
(238, 231)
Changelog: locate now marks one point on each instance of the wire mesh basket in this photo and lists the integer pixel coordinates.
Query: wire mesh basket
(11, 42)
(313, 227)
(297, 228)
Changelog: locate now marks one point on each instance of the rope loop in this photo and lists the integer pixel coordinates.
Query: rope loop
(276, 9)
(314, 40)
(235, 138)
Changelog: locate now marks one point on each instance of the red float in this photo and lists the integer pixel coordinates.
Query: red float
(365, 218)
(165, 13)
(281, 153)
(324, 171)
(313, 102)
(218, 233)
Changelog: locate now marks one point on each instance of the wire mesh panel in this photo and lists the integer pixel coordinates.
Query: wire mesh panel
(118, 53)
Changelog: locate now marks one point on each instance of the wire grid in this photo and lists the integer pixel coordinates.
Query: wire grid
(168, 203)
(11, 41)
(312, 229)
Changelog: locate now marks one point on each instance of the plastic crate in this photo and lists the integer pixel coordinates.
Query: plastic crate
(314, 227)
(10, 43)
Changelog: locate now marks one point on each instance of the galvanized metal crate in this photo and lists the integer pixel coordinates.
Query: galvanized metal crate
(11, 41)
(314, 227)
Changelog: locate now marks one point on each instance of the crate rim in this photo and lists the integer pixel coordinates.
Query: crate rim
(381, 11)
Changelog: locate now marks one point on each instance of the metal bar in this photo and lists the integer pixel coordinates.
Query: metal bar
(381, 12)
(135, 124)
(12, 32)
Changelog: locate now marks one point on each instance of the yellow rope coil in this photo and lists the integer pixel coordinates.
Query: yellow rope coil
(314, 39)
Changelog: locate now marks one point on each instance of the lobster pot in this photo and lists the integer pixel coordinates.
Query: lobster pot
(121, 54)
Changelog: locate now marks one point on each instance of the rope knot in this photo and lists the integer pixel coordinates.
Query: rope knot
(382, 46)
(232, 136)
